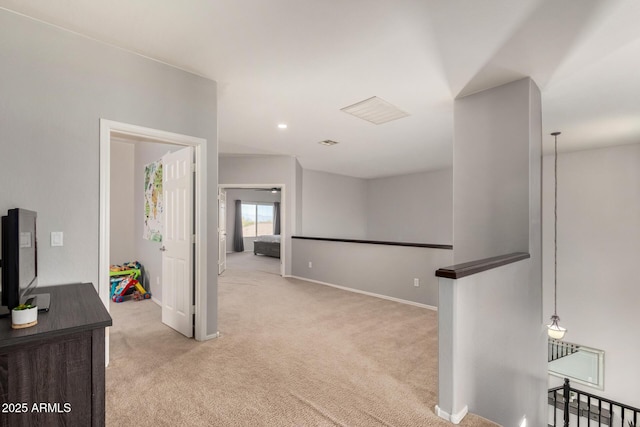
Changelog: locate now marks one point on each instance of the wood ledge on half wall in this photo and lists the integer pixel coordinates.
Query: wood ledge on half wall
(474, 267)
(376, 242)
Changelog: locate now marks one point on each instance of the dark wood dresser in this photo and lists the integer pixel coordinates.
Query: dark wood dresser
(52, 374)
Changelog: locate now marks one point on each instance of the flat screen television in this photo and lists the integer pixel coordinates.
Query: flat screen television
(20, 259)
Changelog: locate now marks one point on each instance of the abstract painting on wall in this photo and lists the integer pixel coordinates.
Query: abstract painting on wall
(153, 206)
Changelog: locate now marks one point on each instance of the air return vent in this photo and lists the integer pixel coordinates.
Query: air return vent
(375, 110)
(328, 142)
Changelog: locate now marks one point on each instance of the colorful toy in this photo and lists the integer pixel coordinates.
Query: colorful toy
(118, 273)
(125, 285)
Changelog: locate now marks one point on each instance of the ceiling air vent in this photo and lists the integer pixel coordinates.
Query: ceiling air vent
(328, 142)
(375, 110)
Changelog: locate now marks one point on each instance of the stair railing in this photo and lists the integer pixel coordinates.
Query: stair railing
(559, 349)
(593, 408)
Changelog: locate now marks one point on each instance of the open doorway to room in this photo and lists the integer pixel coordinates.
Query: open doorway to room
(133, 237)
(136, 224)
(253, 228)
(175, 278)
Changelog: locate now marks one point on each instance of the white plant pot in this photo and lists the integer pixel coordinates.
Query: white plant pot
(24, 318)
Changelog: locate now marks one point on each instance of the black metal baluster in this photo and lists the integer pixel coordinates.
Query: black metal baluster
(610, 414)
(579, 399)
(565, 392)
(599, 412)
(622, 410)
(589, 411)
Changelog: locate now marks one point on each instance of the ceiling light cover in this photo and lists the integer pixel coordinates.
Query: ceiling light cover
(375, 110)
(282, 126)
(328, 142)
(554, 330)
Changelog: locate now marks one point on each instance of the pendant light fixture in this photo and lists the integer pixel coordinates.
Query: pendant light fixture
(554, 330)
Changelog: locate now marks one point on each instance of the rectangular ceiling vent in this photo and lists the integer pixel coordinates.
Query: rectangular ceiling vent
(375, 110)
(328, 142)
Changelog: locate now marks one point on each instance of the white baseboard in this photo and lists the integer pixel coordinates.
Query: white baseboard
(371, 294)
(212, 336)
(442, 414)
(454, 418)
(154, 299)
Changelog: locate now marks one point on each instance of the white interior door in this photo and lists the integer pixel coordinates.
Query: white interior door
(177, 243)
(222, 230)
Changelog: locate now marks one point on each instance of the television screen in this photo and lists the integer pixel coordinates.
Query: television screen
(19, 256)
(27, 258)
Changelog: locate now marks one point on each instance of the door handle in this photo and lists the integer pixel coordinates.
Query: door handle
(162, 248)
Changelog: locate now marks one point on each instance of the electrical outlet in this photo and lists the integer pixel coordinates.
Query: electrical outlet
(310, 264)
(416, 282)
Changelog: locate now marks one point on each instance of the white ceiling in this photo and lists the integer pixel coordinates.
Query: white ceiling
(300, 61)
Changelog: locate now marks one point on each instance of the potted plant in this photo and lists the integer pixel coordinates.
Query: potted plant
(24, 316)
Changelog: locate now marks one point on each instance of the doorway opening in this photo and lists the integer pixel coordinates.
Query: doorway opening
(262, 210)
(114, 131)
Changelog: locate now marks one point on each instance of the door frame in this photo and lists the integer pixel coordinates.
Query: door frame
(222, 220)
(109, 128)
(283, 216)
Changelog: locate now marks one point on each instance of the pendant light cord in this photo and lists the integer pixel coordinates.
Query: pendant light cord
(555, 231)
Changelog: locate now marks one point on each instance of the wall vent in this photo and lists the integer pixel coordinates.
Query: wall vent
(375, 110)
(328, 142)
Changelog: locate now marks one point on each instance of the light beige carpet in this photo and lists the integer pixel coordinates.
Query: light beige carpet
(291, 353)
(249, 261)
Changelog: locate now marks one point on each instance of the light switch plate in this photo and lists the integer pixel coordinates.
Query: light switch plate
(56, 238)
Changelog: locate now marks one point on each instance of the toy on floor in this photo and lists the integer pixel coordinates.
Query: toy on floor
(118, 273)
(125, 285)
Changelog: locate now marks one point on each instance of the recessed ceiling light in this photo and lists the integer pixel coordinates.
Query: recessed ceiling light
(282, 126)
(328, 142)
(375, 110)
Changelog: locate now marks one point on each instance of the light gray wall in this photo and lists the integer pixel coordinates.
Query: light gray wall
(246, 195)
(394, 209)
(56, 86)
(598, 247)
(268, 170)
(491, 172)
(334, 205)
(415, 208)
(147, 252)
(490, 324)
(491, 346)
(411, 208)
(122, 245)
(379, 269)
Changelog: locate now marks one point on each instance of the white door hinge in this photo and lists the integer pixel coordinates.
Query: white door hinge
(193, 167)
(192, 309)
(193, 238)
